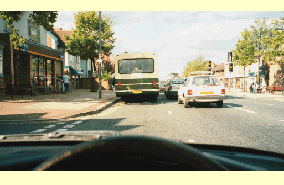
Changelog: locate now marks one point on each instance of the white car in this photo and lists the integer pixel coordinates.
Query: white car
(201, 88)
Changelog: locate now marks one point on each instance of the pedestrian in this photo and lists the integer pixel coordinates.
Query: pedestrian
(255, 87)
(66, 83)
(113, 83)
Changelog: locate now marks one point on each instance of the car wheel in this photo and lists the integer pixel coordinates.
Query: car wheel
(179, 100)
(219, 104)
(185, 104)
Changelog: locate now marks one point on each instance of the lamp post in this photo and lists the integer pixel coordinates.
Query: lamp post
(100, 86)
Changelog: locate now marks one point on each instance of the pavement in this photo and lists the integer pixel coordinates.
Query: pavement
(79, 102)
(263, 95)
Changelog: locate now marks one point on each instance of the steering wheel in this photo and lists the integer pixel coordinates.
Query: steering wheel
(125, 153)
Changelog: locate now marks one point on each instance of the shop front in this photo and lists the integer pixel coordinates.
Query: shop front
(35, 65)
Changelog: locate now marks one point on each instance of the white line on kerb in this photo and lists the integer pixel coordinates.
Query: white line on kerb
(170, 112)
(39, 130)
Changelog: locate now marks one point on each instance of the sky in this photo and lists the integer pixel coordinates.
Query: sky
(177, 37)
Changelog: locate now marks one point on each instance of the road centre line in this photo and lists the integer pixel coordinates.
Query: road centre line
(241, 109)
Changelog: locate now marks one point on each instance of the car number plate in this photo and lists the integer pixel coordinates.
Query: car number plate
(207, 92)
(136, 92)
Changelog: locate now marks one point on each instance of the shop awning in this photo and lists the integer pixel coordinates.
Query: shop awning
(75, 72)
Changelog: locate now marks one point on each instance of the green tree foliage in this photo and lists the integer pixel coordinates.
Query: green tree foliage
(44, 18)
(262, 40)
(199, 64)
(84, 40)
(245, 50)
(275, 42)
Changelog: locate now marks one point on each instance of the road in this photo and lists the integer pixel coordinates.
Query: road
(247, 122)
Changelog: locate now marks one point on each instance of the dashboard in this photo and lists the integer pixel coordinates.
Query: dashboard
(27, 156)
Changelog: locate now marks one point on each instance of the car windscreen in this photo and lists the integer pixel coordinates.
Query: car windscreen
(178, 81)
(143, 65)
(205, 80)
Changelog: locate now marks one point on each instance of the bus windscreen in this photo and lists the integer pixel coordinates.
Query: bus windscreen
(145, 65)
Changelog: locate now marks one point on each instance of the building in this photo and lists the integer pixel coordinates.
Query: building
(36, 64)
(72, 65)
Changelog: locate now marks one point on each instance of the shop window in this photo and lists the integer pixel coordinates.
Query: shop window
(34, 33)
(48, 72)
(1, 60)
(42, 73)
(35, 68)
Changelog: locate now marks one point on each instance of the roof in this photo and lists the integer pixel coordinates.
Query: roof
(61, 33)
(219, 67)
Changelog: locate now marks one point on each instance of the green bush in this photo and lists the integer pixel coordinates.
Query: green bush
(106, 76)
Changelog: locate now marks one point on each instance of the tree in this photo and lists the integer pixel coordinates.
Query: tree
(84, 40)
(267, 40)
(275, 43)
(199, 64)
(245, 50)
(44, 18)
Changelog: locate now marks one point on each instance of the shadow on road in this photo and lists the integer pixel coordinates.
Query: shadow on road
(105, 124)
(21, 117)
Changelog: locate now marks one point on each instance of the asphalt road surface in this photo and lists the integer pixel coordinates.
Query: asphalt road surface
(246, 122)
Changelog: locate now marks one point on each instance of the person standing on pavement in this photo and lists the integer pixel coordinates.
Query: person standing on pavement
(113, 83)
(255, 87)
(66, 83)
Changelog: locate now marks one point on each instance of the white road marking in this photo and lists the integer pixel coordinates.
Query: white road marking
(49, 126)
(40, 130)
(190, 140)
(241, 109)
(77, 122)
(69, 126)
(59, 130)
(281, 120)
(60, 123)
(270, 104)
(170, 112)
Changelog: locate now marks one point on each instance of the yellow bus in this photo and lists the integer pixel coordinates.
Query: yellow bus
(136, 74)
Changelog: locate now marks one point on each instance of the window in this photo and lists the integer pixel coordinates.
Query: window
(144, 65)
(211, 81)
(178, 80)
(34, 33)
(6, 29)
